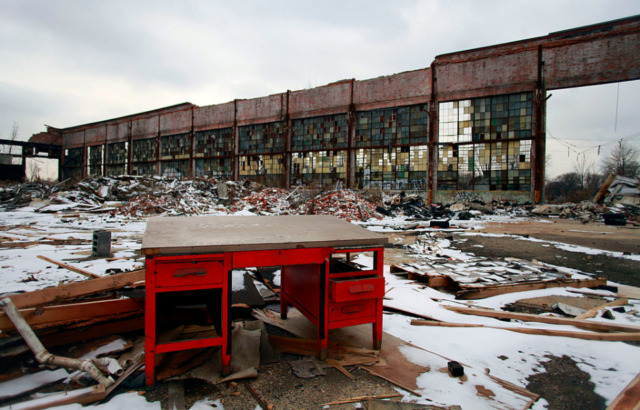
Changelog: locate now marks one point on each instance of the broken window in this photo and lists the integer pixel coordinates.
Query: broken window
(266, 169)
(319, 168)
(175, 147)
(95, 160)
(395, 168)
(499, 165)
(213, 143)
(261, 138)
(214, 167)
(175, 169)
(72, 165)
(327, 132)
(447, 168)
(117, 158)
(146, 168)
(392, 126)
(144, 150)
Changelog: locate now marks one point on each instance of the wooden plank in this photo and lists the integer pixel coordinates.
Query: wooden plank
(360, 398)
(474, 292)
(392, 381)
(341, 369)
(433, 281)
(71, 268)
(592, 312)
(584, 324)
(73, 290)
(627, 337)
(629, 398)
(55, 315)
(100, 330)
(308, 347)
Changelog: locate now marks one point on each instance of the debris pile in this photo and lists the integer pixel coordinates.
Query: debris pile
(343, 203)
(272, 200)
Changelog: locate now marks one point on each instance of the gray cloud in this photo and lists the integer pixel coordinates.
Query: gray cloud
(69, 62)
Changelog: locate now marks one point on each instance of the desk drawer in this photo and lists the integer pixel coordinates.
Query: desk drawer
(356, 288)
(352, 310)
(203, 272)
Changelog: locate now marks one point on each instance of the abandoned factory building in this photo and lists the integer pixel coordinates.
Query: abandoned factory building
(472, 120)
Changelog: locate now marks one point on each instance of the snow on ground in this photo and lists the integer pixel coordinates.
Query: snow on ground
(508, 355)
(559, 245)
(611, 365)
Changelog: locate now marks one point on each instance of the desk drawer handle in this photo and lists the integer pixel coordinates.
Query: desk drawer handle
(180, 273)
(361, 288)
(352, 309)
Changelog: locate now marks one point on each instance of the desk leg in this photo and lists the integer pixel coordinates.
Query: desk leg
(377, 326)
(150, 323)
(323, 333)
(284, 306)
(225, 350)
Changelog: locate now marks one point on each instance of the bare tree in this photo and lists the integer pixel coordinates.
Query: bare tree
(34, 171)
(14, 131)
(590, 180)
(622, 160)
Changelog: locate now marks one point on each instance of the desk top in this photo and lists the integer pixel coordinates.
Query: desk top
(212, 234)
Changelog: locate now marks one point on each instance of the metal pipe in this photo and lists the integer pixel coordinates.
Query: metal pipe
(112, 365)
(42, 355)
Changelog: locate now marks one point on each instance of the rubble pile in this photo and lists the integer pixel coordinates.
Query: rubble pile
(272, 200)
(343, 203)
(16, 195)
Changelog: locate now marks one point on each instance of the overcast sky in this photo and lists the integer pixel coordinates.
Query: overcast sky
(66, 63)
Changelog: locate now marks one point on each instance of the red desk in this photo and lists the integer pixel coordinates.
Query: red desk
(192, 259)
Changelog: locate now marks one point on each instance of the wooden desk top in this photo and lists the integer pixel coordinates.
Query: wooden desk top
(212, 234)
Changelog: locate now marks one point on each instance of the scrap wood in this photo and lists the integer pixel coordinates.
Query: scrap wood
(360, 398)
(71, 268)
(176, 363)
(543, 332)
(74, 290)
(397, 368)
(593, 312)
(629, 397)
(468, 291)
(584, 324)
(57, 315)
(373, 404)
(341, 369)
(432, 280)
(308, 347)
(255, 395)
(93, 332)
(392, 381)
(81, 396)
(631, 292)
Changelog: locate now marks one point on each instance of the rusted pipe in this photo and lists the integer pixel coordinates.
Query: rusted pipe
(46, 358)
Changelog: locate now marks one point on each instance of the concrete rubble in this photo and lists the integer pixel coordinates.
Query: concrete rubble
(103, 315)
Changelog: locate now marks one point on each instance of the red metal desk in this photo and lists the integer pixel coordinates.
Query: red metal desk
(199, 253)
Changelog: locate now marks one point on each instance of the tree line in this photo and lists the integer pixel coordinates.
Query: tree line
(584, 181)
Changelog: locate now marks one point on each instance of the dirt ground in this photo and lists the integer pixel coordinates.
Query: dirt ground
(565, 386)
(562, 383)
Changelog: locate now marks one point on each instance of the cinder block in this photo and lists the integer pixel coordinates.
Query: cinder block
(101, 243)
